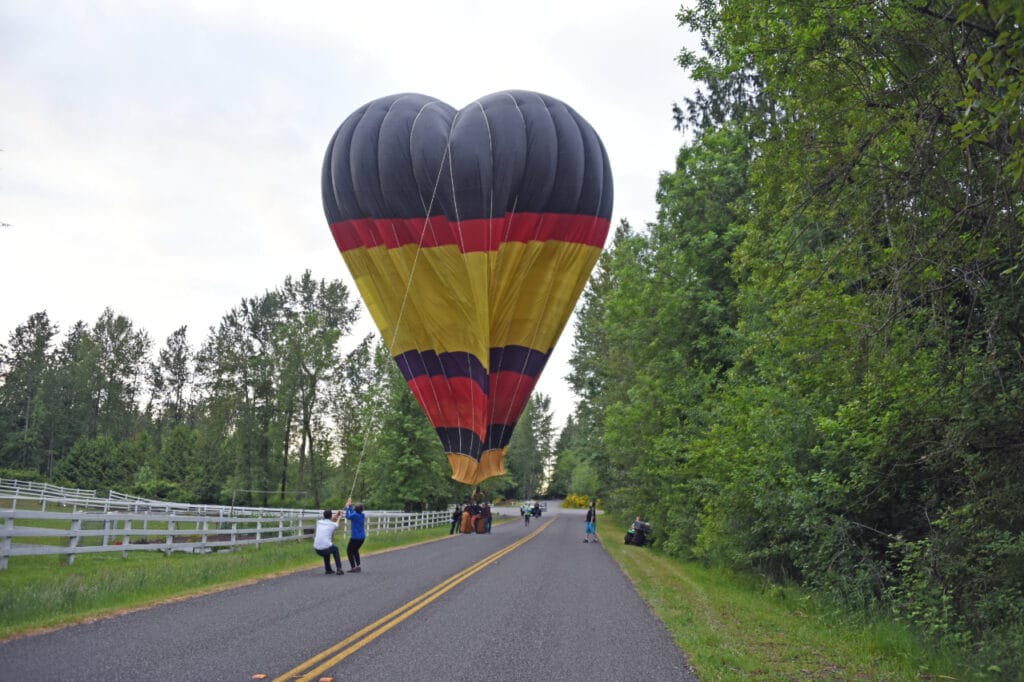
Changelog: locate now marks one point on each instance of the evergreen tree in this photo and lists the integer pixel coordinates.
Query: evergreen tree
(530, 449)
(564, 461)
(25, 364)
(171, 382)
(406, 468)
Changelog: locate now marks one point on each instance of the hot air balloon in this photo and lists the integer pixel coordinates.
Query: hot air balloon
(470, 235)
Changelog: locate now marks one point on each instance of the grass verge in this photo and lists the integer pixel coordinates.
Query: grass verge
(734, 627)
(40, 592)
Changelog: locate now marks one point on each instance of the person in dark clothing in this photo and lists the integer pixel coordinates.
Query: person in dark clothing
(456, 519)
(486, 511)
(357, 522)
(474, 515)
(591, 523)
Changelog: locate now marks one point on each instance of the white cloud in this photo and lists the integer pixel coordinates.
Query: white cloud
(163, 158)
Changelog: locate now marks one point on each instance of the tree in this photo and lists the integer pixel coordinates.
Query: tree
(239, 400)
(601, 372)
(992, 96)
(530, 449)
(264, 373)
(24, 367)
(103, 463)
(406, 467)
(171, 381)
(316, 315)
(359, 401)
(94, 386)
(565, 460)
(122, 354)
(853, 428)
(70, 394)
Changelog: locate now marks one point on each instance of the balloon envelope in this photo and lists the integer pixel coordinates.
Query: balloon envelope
(470, 235)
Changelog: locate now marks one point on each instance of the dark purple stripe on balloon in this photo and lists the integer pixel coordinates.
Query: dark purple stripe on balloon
(461, 441)
(517, 359)
(466, 442)
(417, 363)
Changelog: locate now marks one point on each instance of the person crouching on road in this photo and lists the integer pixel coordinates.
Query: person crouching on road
(357, 521)
(323, 541)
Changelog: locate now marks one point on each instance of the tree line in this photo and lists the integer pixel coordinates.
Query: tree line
(811, 365)
(267, 410)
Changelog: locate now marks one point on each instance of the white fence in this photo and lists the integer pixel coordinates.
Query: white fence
(70, 522)
(12, 491)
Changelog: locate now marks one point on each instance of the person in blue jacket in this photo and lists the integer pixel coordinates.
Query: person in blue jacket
(357, 534)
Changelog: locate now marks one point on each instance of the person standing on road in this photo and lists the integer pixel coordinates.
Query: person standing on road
(486, 509)
(591, 523)
(474, 516)
(323, 540)
(357, 534)
(456, 519)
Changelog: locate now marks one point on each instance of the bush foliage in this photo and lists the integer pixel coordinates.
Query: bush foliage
(811, 366)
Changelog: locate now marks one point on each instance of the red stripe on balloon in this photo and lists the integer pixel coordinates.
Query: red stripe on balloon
(456, 402)
(470, 235)
(509, 393)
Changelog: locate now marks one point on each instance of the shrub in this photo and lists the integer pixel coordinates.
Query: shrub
(578, 501)
(22, 474)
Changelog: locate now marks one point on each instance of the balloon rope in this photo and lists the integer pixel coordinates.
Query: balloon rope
(475, 418)
(359, 464)
(521, 372)
(401, 313)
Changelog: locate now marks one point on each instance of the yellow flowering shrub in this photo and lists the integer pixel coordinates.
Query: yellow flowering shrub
(577, 501)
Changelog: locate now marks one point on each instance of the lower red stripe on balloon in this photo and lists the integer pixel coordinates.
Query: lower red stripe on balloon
(457, 402)
(510, 392)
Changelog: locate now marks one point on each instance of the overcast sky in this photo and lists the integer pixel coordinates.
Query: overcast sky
(162, 158)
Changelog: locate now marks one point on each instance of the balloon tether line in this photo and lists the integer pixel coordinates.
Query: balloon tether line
(398, 322)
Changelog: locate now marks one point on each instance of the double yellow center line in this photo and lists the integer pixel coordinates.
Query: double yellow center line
(325, 660)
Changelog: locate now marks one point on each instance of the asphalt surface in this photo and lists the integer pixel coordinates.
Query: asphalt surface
(550, 608)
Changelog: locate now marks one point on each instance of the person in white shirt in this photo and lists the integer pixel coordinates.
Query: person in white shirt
(323, 541)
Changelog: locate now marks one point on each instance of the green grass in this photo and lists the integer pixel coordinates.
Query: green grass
(39, 592)
(734, 627)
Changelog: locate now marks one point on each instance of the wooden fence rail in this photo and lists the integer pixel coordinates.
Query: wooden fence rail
(26, 532)
(14, 492)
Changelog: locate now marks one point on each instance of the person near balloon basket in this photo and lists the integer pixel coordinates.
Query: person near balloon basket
(323, 541)
(357, 534)
(456, 519)
(475, 516)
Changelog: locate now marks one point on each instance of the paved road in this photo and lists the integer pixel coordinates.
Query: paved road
(524, 603)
